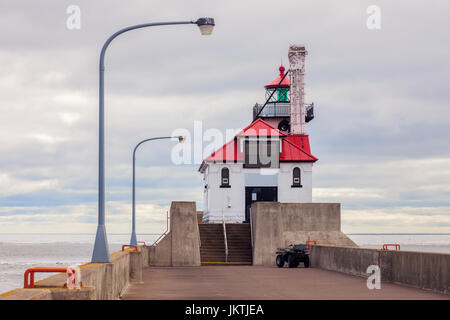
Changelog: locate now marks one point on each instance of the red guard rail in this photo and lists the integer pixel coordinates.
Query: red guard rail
(143, 242)
(165, 232)
(387, 245)
(308, 242)
(29, 274)
(130, 246)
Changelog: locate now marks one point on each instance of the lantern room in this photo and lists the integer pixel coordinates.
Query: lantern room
(280, 85)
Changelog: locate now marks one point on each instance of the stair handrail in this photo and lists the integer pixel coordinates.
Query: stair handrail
(251, 227)
(225, 237)
(199, 237)
(164, 233)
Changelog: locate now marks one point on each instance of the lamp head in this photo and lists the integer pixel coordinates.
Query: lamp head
(181, 139)
(206, 25)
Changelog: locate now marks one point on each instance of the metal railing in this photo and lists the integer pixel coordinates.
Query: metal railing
(165, 232)
(387, 245)
(309, 242)
(251, 226)
(29, 274)
(225, 237)
(130, 246)
(280, 109)
(272, 109)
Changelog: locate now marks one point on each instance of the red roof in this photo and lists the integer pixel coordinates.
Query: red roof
(260, 128)
(228, 152)
(274, 83)
(293, 153)
(295, 147)
(301, 140)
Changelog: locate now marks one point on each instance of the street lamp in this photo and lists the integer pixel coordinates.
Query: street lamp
(133, 220)
(101, 251)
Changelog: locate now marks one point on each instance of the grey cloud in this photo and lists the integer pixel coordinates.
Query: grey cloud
(380, 96)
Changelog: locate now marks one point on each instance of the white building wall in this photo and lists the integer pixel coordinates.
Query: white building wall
(227, 201)
(288, 194)
(231, 201)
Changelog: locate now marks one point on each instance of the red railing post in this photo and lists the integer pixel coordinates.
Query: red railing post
(29, 274)
(387, 245)
(131, 246)
(308, 242)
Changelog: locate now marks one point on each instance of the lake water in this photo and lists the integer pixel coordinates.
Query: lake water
(19, 252)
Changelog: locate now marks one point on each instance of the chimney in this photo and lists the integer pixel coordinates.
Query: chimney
(297, 55)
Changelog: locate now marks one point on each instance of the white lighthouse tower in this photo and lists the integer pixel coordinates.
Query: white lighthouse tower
(236, 175)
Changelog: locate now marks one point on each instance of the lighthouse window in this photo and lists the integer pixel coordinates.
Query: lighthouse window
(225, 178)
(282, 95)
(296, 177)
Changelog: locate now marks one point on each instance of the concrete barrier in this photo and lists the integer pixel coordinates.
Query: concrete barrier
(276, 225)
(101, 281)
(267, 231)
(181, 246)
(424, 270)
(352, 261)
(421, 269)
(199, 216)
(161, 254)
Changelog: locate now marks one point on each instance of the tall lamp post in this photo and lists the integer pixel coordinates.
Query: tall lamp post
(101, 251)
(133, 219)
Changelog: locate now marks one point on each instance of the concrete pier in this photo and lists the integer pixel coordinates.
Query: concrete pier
(129, 276)
(171, 269)
(262, 283)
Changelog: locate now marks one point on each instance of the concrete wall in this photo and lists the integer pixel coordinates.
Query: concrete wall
(422, 270)
(276, 225)
(161, 254)
(181, 246)
(199, 216)
(267, 231)
(101, 281)
(185, 234)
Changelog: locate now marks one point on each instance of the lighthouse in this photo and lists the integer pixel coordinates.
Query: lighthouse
(270, 159)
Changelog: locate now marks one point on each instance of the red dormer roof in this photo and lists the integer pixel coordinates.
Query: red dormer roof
(260, 128)
(274, 83)
(294, 148)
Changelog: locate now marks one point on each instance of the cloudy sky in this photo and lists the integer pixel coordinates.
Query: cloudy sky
(381, 131)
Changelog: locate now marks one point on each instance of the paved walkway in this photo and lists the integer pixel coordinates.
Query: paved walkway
(260, 283)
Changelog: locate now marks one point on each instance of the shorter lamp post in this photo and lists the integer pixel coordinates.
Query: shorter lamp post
(133, 220)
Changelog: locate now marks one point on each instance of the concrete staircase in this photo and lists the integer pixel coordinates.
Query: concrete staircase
(212, 249)
(212, 245)
(239, 243)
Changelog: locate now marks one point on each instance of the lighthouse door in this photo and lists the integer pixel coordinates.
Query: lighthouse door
(253, 194)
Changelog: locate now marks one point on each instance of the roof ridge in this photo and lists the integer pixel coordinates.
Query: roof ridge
(265, 123)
